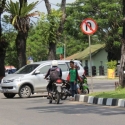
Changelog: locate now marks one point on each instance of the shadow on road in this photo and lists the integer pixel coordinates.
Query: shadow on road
(77, 109)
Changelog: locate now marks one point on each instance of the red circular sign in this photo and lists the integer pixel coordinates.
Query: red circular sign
(88, 26)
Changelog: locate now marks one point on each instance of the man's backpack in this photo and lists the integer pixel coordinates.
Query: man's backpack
(54, 74)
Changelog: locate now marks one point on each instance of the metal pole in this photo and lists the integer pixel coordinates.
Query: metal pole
(64, 51)
(90, 63)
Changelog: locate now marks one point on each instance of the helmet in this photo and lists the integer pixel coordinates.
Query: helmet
(54, 63)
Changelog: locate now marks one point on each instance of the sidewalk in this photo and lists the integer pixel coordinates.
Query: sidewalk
(101, 77)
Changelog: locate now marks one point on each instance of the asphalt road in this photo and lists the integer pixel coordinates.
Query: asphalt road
(37, 111)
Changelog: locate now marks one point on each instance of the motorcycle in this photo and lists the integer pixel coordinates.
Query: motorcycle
(84, 88)
(56, 92)
(65, 90)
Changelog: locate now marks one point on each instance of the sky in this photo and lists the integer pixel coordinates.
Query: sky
(41, 6)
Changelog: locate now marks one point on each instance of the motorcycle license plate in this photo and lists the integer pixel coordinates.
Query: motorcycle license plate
(59, 88)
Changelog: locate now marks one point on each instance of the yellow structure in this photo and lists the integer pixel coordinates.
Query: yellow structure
(111, 73)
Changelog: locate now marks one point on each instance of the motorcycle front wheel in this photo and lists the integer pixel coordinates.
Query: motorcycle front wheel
(63, 97)
(85, 91)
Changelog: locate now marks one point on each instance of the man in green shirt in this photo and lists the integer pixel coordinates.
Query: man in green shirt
(72, 78)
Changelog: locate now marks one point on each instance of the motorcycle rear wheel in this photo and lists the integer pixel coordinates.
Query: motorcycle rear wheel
(57, 98)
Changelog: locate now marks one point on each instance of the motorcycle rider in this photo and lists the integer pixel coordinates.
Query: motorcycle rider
(54, 73)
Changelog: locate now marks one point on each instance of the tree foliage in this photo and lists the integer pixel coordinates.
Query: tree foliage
(20, 13)
(108, 15)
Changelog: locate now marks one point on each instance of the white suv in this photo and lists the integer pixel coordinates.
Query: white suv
(30, 78)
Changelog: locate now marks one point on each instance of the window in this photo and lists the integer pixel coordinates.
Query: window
(86, 62)
(27, 69)
(44, 69)
(63, 67)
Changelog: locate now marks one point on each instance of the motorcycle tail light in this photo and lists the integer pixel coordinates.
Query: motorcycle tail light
(59, 81)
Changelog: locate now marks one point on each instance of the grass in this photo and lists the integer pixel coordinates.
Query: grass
(117, 94)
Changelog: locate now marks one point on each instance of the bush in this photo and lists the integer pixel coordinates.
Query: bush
(111, 64)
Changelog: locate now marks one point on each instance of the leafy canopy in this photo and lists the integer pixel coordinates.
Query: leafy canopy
(20, 14)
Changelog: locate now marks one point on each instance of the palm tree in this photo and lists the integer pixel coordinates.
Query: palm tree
(20, 19)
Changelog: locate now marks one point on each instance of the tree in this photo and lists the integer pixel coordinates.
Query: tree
(3, 43)
(122, 62)
(109, 24)
(20, 19)
(57, 34)
(3, 46)
(37, 45)
(10, 34)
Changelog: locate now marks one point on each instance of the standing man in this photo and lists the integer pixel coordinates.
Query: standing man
(72, 78)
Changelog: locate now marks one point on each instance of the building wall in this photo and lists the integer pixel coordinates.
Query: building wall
(96, 61)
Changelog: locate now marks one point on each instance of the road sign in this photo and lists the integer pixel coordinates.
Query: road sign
(88, 26)
(30, 60)
(59, 50)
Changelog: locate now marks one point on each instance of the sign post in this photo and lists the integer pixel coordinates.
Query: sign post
(89, 27)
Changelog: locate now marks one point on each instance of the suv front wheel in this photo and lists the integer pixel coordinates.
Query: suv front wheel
(9, 95)
(25, 91)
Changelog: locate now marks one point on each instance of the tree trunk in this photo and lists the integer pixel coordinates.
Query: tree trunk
(122, 65)
(21, 48)
(48, 6)
(2, 67)
(63, 8)
(3, 46)
(122, 62)
(52, 51)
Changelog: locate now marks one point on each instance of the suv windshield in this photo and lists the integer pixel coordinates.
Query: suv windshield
(27, 69)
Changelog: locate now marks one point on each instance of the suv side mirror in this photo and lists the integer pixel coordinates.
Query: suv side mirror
(37, 72)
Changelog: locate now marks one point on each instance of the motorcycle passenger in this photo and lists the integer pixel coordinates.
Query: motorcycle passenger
(54, 73)
(72, 78)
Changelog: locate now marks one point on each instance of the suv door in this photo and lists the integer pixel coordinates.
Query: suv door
(65, 70)
(41, 83)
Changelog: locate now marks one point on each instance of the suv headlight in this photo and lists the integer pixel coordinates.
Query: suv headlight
(17, 80)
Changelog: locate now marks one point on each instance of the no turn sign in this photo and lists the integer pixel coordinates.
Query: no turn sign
(88, 26)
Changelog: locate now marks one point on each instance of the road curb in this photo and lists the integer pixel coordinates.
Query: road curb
(100, 101)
